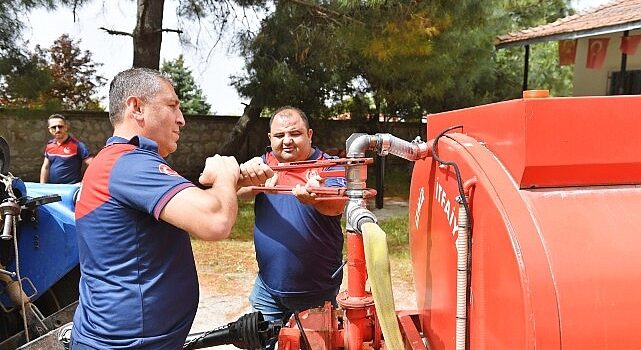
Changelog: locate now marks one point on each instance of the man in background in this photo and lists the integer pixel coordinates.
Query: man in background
(64, 154)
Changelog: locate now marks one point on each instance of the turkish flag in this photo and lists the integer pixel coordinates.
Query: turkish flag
(597, 49)
(629, 44)
(567, 52)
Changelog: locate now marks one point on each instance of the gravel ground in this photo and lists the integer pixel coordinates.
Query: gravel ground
(223, 294)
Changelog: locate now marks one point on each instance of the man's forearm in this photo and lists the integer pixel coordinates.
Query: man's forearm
(44, 175)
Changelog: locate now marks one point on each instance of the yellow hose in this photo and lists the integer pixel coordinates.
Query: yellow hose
(378, 271)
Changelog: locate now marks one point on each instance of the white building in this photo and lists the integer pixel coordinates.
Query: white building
(614, 20)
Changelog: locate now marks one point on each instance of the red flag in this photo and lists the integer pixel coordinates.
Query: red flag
(597, 48)
(567, 52)
(629, 44)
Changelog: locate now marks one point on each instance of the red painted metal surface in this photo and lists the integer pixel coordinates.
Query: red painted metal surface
(409, 323)
(356, 301)
(550, 142)
(319, 324)
(555, 238)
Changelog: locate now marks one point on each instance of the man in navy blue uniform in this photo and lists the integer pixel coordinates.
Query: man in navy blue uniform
(138, 287)
(298, 238)
(64, 154)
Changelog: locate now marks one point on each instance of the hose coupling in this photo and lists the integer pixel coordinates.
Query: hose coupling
(357, 216)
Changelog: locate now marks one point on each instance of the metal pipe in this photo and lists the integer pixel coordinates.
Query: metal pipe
(356, 270)
(383, 143)
(357, 302)
(357, 214)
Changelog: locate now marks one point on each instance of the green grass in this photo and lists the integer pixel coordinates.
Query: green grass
(396, 230)
(244, 227)
(396, 181)
(395, 227)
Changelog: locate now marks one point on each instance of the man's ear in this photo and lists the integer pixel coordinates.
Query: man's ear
(134, 105)
(269, 136)
(310, 132)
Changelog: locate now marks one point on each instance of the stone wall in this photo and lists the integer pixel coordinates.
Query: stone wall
(26, 132)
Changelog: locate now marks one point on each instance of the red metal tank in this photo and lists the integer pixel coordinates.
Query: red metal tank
(556, 224)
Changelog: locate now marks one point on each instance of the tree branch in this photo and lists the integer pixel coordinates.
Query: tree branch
(325, 11)
(172, 30)
(115, 32)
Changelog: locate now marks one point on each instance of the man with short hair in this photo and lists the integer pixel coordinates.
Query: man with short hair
(64, 154)
(138, 286)
(298, 238)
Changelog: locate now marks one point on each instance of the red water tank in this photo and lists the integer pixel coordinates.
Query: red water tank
(556, 224)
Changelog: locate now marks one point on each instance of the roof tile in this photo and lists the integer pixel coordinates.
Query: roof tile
(610, 14)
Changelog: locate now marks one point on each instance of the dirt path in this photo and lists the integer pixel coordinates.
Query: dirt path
(227, 271)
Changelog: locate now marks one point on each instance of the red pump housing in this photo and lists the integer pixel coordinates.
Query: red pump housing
(555, 224)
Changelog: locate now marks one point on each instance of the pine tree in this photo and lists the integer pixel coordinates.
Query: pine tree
(192, 99)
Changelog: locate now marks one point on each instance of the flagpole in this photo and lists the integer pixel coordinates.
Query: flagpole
(526, 66)
(624, 63)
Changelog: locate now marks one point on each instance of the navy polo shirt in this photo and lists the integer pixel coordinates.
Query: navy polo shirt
(65, 160)
(297, 248)
(139, 287)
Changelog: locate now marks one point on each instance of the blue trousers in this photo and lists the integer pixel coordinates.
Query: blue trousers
(274, 307)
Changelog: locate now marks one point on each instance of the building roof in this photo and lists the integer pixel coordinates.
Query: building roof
(615, 16)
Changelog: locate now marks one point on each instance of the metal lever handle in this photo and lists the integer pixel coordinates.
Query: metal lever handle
(8, 273)
(9, 209)
(324, 193)
(7, 231)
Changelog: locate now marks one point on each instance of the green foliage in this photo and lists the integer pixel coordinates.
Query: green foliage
(192, 99)
(544, 70)
(25, 78)
(12, 14)
(11, 22)
(293, 60)
(60, 77)
(359, 107)
(409, 58)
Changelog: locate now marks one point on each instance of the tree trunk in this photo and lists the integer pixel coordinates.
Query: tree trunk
(234, 145)
(148, 33)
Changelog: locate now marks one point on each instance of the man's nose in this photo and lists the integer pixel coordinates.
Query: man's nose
(180, 119)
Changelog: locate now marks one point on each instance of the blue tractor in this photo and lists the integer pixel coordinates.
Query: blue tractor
(39, 271)
(38, 257)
